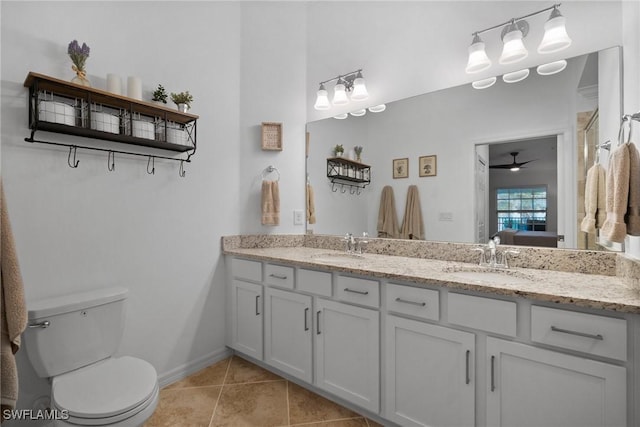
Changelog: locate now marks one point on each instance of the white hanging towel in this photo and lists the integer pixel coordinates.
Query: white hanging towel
(594, 199)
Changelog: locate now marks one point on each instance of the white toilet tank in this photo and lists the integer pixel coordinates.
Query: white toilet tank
(72, 331)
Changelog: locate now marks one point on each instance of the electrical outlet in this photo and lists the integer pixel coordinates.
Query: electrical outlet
(298, 217)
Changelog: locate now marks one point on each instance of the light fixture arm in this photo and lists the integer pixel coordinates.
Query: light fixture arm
(515, 20)
(347, 78)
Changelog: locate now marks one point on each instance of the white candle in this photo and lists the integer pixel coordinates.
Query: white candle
(114, 84)
(134, 88)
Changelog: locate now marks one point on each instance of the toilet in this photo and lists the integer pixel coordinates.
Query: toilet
(72, 340)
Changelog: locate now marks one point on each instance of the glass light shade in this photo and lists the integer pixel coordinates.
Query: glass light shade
(551, 67)
(513, 49)
(359, 113)
(322, 100)
(516, 76)
(515, 169)
(483, 84)
(555, 34)
(359, 90)
(341, 116)
(378, 108)
(340, 95)
(478, 59)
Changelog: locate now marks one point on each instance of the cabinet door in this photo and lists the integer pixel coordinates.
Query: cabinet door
(288, 321)
(429, 374)
(246, 319)
(529, 386)
(348, 352)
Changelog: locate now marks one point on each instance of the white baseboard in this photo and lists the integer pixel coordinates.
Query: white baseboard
(193, 366)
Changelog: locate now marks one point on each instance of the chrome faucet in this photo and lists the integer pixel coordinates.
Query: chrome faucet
(497, 259)
(350, 242)
(356, 245)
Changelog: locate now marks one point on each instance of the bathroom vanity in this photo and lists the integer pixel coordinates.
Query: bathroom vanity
(416, 341)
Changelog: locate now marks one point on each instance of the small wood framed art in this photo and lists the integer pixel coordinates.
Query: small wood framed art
(428, 166)
(401, 168)
(272, 136)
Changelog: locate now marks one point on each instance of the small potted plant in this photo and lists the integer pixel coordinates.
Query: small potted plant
(338, 150)
(358, 150)
(160, 95)
(183, 100)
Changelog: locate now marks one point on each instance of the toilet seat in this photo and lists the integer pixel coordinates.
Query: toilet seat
(113, 390)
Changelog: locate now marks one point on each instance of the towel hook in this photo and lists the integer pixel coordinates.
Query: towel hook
(111, 161)
(333, 187)
(269, 169)
(75, 162)
(152, 162)
(625, 119)
(343, 190)
(181, 171)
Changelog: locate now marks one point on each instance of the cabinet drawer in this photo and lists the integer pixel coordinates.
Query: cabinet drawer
(278, 275)
(418, 302)
(315, 282)
(245, 269)
(481, 313)
(359, 291)
(589, 333)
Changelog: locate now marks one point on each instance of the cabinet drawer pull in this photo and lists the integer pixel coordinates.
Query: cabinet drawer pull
(306, 313)
(580, 334)
(467, 379)
(493, 376)
(354, 291)
(318, 323)
(44, 324)
(257, 305)
(405, 301)
(278, 276)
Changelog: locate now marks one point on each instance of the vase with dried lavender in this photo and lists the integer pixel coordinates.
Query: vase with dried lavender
(79, 55)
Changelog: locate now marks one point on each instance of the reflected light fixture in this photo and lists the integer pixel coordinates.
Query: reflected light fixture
(516, 76)
(352, 82)
(341, 116)
(359, 113)
(551, 68)
(514, 31)
(484, 84)
(378, 108)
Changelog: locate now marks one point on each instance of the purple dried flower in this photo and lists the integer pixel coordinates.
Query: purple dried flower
(78, 54)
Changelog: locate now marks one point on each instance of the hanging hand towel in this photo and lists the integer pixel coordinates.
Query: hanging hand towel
(387, 217)
(594, 199)
(270, 203)
(633, 212)
(311, 205)
(614, 229)
(12, 307)
(412, 225)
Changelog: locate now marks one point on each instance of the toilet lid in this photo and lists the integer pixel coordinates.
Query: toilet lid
(105, 389)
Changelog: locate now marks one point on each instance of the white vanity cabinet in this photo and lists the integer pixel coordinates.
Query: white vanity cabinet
(429, 374)
(529, 386)
(246, 318)
(348, 352)
(288, 332)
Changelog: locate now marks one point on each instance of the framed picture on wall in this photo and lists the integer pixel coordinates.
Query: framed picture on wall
(427, 166)
(401, 168)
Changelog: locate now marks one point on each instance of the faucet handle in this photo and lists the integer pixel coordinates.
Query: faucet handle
(506, 254)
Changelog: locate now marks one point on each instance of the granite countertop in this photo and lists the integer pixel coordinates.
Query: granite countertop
(585, 290)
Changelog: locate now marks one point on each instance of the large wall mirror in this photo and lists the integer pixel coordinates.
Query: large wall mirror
(553, 122)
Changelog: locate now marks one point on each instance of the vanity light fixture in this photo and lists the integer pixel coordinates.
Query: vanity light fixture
(352, 82)
(359, 113)
(378, 108)
(341, 116)
(513, 32)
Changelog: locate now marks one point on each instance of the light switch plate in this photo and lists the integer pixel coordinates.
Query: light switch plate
(298, 217)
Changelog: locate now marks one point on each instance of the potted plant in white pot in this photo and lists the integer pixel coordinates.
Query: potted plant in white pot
(160, 95)
(183, 100)
(338, 150)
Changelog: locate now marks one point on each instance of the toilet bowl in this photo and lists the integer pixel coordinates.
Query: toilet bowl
(72, 340)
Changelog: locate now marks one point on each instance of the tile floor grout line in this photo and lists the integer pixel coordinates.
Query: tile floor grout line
(257, 382)
(215, 407)
(328, 421)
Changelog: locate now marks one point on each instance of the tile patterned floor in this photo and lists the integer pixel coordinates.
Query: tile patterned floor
(237, 393)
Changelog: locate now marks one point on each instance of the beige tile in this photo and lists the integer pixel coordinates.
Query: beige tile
(212, 375)
(243, 371)
(350, 422)
(185, 407)
(257, 404)
(306, 407)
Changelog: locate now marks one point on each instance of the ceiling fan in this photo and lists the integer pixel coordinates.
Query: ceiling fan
(514, 166)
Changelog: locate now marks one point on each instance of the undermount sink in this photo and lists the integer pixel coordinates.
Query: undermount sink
(338, 258)
(489, 275)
